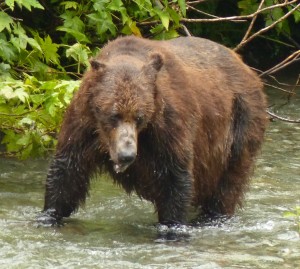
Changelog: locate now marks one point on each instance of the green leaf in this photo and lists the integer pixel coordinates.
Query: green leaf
(49, 49)
(115, 5)
(37, 98)
(164, 35)
(124, 15)
(70, 4)
(26, 3)
(10, 138)
(19, 41)
(27, 152)
(7, 92)
(248, 6)
(164, 17)
(48, 86)
(275, 15)
(26, 122)
(103, 22)
(10, 4)
(72, 21)
(33, 43)
(24, 140)
(7, 51)
(52, 110)
(131, 28)
(100, 5)
(296, 15)
(157, 29)
(182, 6)
(76, 34)
(174, 16)
(21, 94)
(4, 70)
(79, 53)
(5, 21)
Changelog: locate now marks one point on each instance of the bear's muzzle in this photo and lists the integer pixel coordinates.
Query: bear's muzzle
(123, 149)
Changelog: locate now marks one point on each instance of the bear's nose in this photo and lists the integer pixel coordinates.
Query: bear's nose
(126, 156)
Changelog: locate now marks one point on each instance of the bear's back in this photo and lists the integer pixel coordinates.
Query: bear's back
(193, 52)
(199, 51)
(190, 50)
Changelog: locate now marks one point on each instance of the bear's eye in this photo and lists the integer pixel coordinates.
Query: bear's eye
(115, 118)
(139, 120)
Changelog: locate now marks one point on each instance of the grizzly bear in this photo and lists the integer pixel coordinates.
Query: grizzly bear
(179, 122)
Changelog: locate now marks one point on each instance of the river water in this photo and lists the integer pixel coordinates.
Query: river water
(116, 231)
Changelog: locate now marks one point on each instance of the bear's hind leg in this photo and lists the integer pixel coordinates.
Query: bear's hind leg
(247, 129)
(230, 192)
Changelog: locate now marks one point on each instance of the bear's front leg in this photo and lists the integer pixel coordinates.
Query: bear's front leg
(66, 186)
(174, 198)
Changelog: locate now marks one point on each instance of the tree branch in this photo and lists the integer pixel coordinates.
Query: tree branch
(263, 30)
(195, 2)
(273, 115)
(186, 30)
(244, 17)
(201, 12)
(290, 59)
(252, 22)
(279, 88)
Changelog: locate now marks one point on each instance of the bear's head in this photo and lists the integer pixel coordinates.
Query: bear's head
(123, 103)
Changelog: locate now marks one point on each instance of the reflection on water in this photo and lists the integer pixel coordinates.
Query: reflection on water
(116, 231)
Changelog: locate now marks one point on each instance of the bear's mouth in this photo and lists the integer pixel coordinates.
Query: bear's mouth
(120, 168)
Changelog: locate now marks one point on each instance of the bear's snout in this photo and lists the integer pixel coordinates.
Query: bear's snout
(124, 152)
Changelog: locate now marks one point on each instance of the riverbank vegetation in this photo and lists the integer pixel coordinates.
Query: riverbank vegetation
(45, 47)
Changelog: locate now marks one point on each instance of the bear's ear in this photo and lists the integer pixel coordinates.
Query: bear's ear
(156, 61)
(97, 65)
(151, 68)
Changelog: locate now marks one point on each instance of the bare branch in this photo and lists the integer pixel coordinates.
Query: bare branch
(186, 30)
(280, 85)
(243, 43)
(252, 22)
(273, 115)
(218, 19)
(244, 17)
(279, 88)
(276, 80)
(195, 2)
(290, 59)
(201, 12)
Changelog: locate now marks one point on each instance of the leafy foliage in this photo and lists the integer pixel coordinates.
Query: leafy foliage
(77, 30)
(31, 112)
(45, 45)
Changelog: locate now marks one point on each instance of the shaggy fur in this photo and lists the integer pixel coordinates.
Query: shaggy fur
(178, 122)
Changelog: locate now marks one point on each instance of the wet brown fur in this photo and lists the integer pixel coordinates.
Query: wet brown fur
(204, 124)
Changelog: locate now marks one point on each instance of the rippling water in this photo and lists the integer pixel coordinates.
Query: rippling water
(117, 231)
